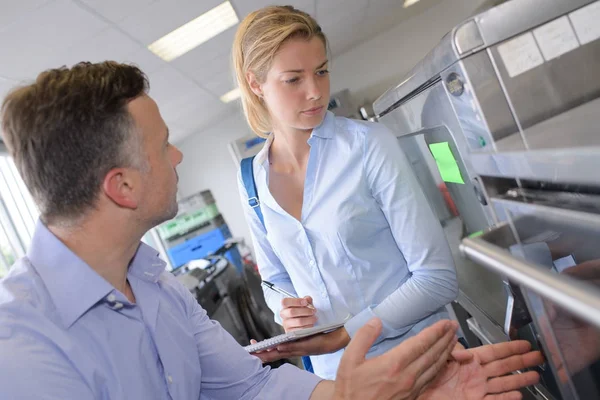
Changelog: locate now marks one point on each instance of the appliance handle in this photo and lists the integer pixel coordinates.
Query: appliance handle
(578, 298)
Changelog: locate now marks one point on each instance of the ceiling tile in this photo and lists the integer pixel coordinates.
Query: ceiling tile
(195, 120)
(340, 43)
(167, 83)
(219, 84)
(33, 43)
(176, 94)
(388, 13)
(116, 10)
(338, 35)
(183, 104)
(334, 9)
(109, 44)
(245, 7)
(199, 67)
(200, 115)
(5, 87)
(337, 16)
(13, 10)
(146, 60)
(388, 5)
(220, 45)
(189, 103)
(163, 16)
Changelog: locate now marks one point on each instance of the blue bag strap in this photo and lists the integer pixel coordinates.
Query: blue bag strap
(250, 185)
(307, 364)
(254, 202)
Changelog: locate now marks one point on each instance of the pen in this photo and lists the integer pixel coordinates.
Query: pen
(283, 292)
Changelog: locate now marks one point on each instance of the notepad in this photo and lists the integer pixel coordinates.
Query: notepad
(293, 336)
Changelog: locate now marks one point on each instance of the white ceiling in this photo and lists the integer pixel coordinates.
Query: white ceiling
(39, 34)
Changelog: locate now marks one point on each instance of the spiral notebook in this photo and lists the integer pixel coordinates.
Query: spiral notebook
(294, 335)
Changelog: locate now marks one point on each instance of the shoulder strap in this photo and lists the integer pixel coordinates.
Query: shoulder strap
(250, 185)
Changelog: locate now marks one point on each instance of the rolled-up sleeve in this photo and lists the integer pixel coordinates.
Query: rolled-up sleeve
(229, 372)
(269, 266)
(417, 232)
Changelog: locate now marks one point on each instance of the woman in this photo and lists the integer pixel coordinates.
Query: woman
(346, 226)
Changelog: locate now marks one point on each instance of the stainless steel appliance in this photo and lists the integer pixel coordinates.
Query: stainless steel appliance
(512, 97)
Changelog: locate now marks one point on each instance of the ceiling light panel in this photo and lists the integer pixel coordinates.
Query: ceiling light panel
(408, 3)
(231, 95)
(195, 32)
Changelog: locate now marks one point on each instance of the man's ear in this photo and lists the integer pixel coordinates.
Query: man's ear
(120, 186)
(255, 86)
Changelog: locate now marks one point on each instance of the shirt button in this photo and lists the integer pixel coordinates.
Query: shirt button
(118, 306)
(170, 379)
(311, 263)
(111, 297)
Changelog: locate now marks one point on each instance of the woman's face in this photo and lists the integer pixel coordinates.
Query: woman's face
(296, 88)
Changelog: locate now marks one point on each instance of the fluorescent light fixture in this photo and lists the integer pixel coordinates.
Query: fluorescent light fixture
(231, 95)
(195, 32)
(408, 3)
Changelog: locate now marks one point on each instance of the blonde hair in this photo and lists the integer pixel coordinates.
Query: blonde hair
(257, 40)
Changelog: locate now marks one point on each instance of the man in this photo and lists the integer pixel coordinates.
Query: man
(90, 312)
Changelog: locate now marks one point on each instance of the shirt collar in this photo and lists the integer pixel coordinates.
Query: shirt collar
(327, 127)
(72, 284)
(325, 130)
(147, 264)
(263, 154)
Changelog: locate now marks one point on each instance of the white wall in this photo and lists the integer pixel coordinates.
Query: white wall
(207, 164)
(366, 70)
(372, 67)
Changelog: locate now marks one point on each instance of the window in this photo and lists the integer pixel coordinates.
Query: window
(18, 215)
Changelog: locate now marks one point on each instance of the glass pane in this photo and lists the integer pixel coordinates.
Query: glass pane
(572, 345)
(18, 215)
(562, 241)
(12, 197)
(29, 205)
(7, 256)
(7, 224)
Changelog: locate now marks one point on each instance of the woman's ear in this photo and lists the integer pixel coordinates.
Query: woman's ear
(255, 86)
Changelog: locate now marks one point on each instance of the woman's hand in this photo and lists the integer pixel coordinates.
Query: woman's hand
(314, 345)
(297, 313)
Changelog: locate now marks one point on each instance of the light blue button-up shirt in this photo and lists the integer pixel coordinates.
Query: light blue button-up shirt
(66, 333)
(367, 244)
